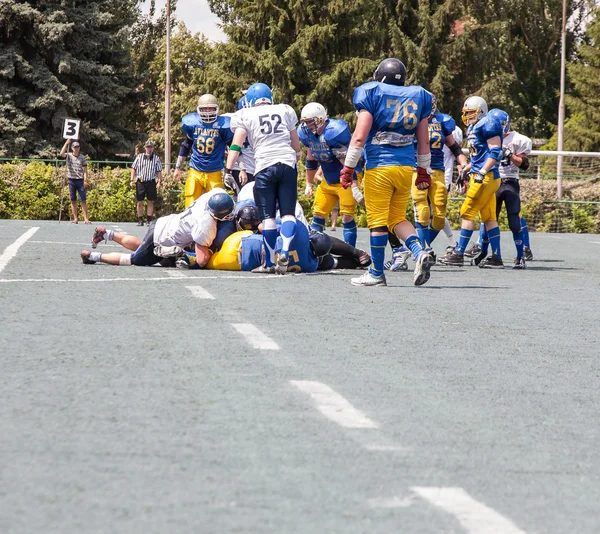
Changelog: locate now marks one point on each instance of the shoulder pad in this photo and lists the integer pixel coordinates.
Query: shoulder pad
(335, 129)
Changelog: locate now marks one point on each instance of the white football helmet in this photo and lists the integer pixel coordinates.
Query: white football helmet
(473, 109)
(208, 108)
(313, 117)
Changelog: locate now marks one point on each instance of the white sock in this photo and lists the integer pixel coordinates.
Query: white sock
(108, 235)
(449, 234)
(95, 256)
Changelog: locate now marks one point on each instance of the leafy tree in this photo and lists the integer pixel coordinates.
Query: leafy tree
(60, 59)
(582, 127)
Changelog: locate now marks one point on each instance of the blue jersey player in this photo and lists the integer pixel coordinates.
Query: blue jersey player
(390, 117)
(430, 204)
(327, 141)
(206, 135)
(484, 136)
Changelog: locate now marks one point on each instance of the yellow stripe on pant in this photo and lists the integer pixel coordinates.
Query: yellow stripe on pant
(327, 196)
(431, 200)
(387, 192)
(198, 183)
(481, 198)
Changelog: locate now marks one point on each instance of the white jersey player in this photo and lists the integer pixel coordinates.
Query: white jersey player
(449, 157)
(271, 131)
(168, 236)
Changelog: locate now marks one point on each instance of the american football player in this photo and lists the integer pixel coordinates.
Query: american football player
(484, 136)
(207, 135)
(327, 141)
(390, 116)
(271, 131)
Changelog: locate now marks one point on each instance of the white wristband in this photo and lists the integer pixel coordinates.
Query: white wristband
(353, 156)
(180, 162)
(424, 160)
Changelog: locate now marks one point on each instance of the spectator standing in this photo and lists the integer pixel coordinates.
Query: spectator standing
(77, 174)
(146, 174)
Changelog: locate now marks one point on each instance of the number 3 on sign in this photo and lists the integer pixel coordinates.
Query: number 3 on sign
(71, 128)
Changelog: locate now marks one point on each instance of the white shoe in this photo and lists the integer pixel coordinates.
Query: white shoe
(423, 264)
(368, 279)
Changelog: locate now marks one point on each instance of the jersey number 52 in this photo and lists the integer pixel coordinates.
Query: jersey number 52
(270, 124)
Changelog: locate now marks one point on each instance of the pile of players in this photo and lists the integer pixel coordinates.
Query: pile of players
(402, 147)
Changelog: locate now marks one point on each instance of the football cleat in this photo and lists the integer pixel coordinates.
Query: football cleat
(263, 269)
(423, 264)
(364, 260)
(369, 279)
(475, 250)
(399, 260)
(182, 263)
(452, 259)
(492, 262)
(477, 260)
(450, 248)
(85, 257)
(519, 264)
(281, 264)
(527, 254)
(98, 236)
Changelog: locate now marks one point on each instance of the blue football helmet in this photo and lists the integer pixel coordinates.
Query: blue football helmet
(243, 103)
(259, 93)
(220, 206)
(503, 117)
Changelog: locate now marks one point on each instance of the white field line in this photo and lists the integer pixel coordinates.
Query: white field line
(125, 279)
(392, 502)
(255, 337)
(11, 251)
(333, 406)
(67, 243)
(200, 292)
(176, 273)
(475, 517)
(595, 242)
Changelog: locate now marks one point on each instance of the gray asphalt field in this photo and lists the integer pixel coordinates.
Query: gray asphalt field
(132, 405)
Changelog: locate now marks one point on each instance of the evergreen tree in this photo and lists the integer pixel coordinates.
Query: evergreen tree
(61, 59)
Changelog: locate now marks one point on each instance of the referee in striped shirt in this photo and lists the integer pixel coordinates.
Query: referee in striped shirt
(146, 173)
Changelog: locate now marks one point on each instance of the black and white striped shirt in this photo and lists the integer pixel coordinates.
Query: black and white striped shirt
(146, 168)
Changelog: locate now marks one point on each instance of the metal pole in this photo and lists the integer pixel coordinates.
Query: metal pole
(168, 94)
(561, 102)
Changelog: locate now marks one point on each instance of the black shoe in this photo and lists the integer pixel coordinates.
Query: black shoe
(452, 258)
(527, 254)
(140, 222)
(476, 261)
(492, 262)
(475, 250)
(85, 257)
(519, 264)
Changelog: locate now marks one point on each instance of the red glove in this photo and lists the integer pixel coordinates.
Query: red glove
(423, 180)
(346, 175)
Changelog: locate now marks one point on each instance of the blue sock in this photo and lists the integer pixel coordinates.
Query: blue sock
(288, 231)
(485, 240)
(414, 245)
(519, 243)
(378, 244)
(494, 237)
(423, 233)
(481, 234)
(270, 240)
(433, 233)
(463, 241)
(525, 230)
(350, 232)
(318, 223)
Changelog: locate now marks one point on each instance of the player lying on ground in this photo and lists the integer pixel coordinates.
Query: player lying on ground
(197, 226)
(309, 251)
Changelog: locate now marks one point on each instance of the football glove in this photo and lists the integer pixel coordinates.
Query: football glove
(423, 180)
(230, 183)
(461, 182)
(359, 198)
(308, 190)
(346, 175)
(506, 155)
(478, 177)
